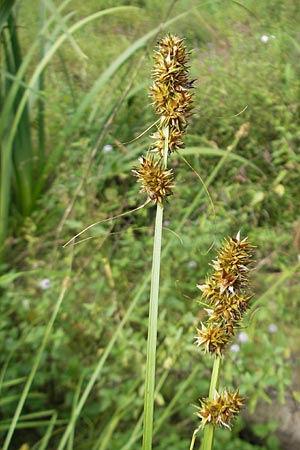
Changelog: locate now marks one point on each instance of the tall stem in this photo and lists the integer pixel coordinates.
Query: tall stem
(152, 334)
(209, 430)
(153, 315)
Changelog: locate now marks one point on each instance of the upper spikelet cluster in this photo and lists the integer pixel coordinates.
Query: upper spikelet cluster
(172, 100)
(170, 92)
(226, 294)
(156, 182)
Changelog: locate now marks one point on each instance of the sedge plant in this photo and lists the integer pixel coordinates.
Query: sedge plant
(225, 297)
(172, 100)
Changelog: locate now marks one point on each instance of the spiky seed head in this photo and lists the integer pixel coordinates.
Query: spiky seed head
(170, 91)
(221, 410)
(213, 337)
(231, 266)
(156, 182)
(243, 131)
(226, 291)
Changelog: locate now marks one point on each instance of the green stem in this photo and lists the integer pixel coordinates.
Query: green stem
(152, 334)
(209, 430)
(153, 314)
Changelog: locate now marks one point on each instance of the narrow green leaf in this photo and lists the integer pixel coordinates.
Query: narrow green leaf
(5, 10)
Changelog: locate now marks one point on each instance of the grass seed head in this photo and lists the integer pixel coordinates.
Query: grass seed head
(213, 337)
(156, 182)
(226, 294)
(170, 91)
(221, 410)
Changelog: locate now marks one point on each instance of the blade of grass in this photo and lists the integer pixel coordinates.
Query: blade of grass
(73, 419)
(189, 151)
(40, 87)
(5, 10)
(47, 435)
(55, 13)
(48, 56)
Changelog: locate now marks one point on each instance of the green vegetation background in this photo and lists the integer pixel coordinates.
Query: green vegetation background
(245, 58)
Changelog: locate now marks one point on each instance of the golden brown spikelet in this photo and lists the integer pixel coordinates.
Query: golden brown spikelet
(213, 337)
(170, 92)
(221, 410)
(156, 182)
(226, 292)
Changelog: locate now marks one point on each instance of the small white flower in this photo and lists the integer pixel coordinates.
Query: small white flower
(234, 348)
(264, 38)
(192, 264)
(272, 328)
(243, 337)
(166, 223)
(107, 148)
(44, 284)
(25, 303)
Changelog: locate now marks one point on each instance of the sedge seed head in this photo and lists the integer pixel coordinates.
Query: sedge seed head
(226, 293)
(156, 182)
(170, 91)
(212, 337)
(221, 410)
(231, 266)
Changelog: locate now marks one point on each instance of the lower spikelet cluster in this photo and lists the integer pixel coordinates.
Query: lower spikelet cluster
(226, 297)
(225, 294)
(221, 410)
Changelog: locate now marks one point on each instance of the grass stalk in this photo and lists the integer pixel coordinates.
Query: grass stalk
(153, 314)
(209, 430)
(152, 333)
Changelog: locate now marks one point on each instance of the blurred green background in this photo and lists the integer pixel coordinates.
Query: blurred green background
(74, 91)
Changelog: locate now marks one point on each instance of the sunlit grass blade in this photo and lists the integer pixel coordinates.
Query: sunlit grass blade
(208, 151)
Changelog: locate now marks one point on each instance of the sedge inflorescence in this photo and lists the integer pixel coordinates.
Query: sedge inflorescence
(155, 181)
(226, 296)
(171, 92)
(221, 410)
(172, 101)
